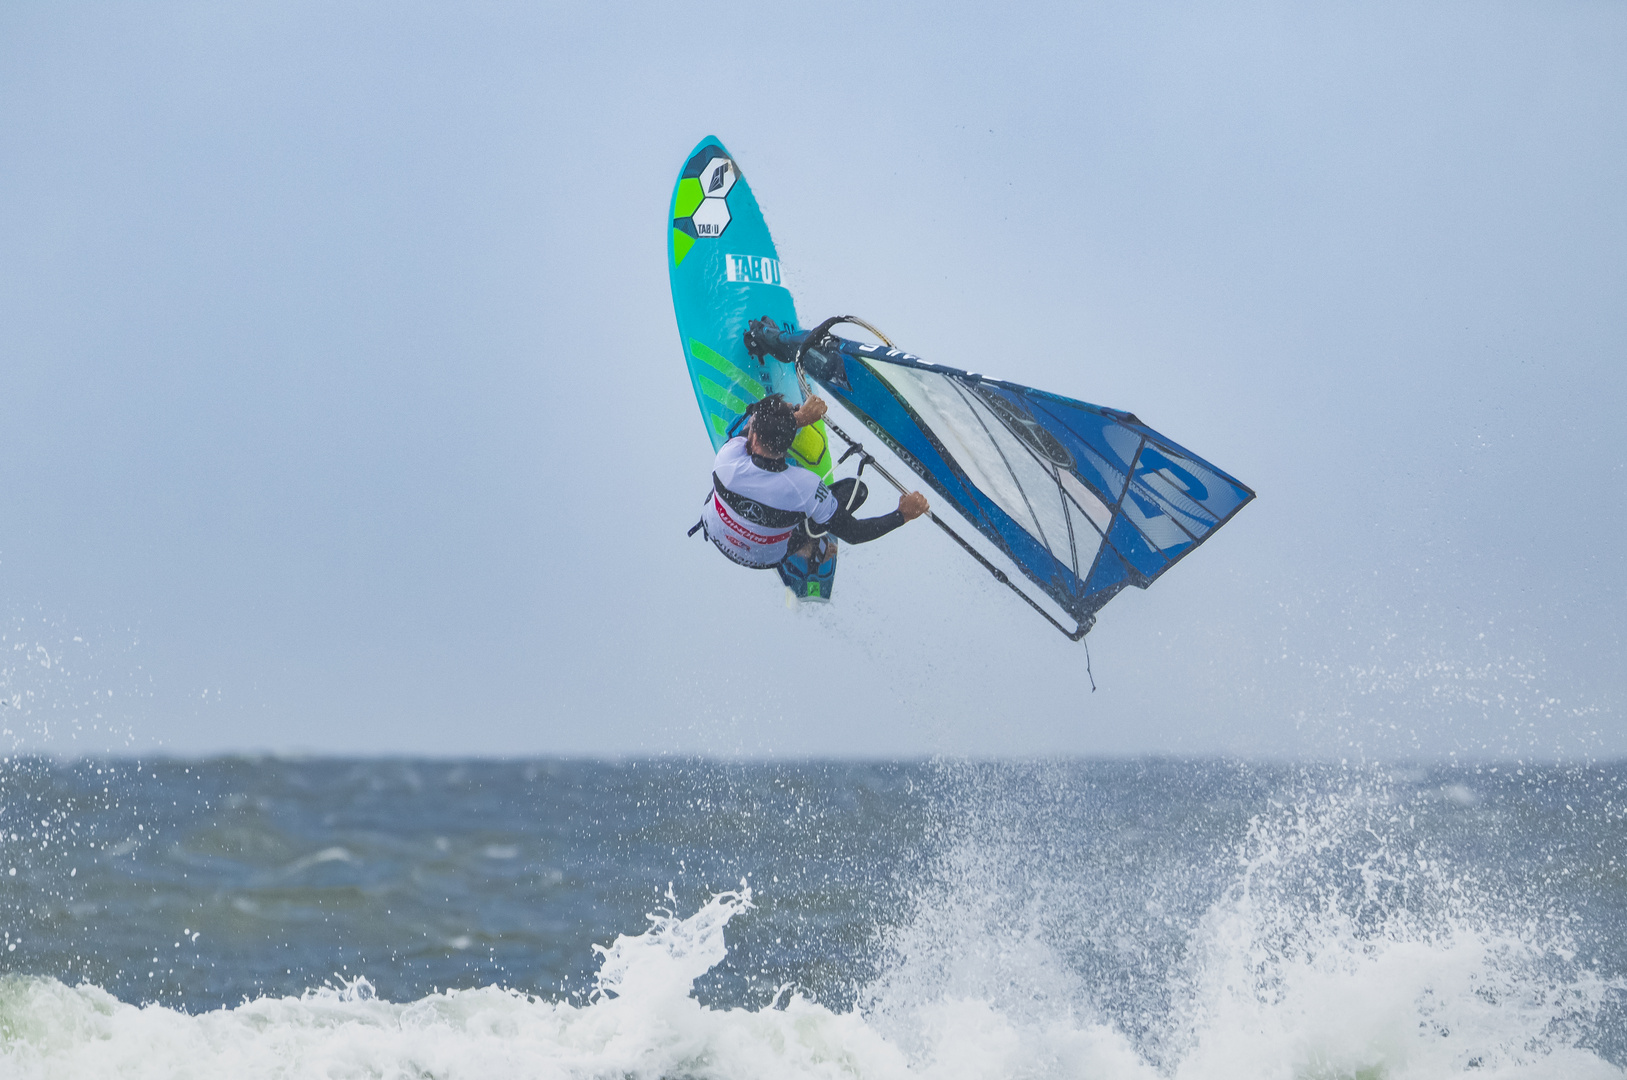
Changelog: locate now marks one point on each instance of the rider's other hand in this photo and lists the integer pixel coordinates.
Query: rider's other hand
(912, 505)
(811, 411)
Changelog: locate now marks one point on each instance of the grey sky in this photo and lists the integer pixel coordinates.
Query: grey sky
(344, 410)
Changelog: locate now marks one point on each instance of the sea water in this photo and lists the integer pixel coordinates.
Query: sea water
(1135, 919)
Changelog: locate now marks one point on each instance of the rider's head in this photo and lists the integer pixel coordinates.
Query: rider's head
(774, 422)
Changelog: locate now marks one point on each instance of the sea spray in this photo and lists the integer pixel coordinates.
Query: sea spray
(1113, 920)
(646, 1023)
(1336, 937)
(664, 961)
(1350, 945)
(1058, 894)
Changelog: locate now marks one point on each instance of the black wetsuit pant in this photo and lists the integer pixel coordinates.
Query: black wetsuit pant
(844, 526)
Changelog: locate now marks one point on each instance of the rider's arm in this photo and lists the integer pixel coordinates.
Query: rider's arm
(852, 530)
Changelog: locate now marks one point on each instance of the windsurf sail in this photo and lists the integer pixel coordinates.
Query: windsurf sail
(1083, 500)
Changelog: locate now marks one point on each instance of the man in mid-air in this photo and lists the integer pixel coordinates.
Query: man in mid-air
(762, 508)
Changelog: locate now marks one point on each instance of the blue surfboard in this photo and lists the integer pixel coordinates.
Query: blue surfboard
(725, 273)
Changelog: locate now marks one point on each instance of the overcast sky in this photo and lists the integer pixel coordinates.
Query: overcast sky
(343, 408)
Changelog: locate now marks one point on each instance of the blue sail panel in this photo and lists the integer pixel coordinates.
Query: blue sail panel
(1138, 553)
(1082, 498)
(1188, 483)
(1149, 518)
(948, 436)
(1109, 575)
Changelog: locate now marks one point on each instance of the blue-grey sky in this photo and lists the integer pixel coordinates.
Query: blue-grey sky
(343, 407)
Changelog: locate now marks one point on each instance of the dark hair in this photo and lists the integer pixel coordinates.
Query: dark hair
(774, 422)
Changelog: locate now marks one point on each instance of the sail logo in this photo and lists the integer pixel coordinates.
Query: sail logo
(752, 270)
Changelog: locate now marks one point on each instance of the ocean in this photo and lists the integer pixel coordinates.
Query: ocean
(286, 917)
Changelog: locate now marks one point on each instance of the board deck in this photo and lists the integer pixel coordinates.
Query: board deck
(725, 272)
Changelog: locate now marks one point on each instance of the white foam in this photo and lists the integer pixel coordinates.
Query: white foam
(1268, 991)
(642, 1023)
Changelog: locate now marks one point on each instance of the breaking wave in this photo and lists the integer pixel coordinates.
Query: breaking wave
(1338, 947)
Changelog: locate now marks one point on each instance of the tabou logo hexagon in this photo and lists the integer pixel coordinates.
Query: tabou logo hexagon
(700, 206)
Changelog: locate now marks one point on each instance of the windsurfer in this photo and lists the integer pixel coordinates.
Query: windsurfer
(761, 508)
